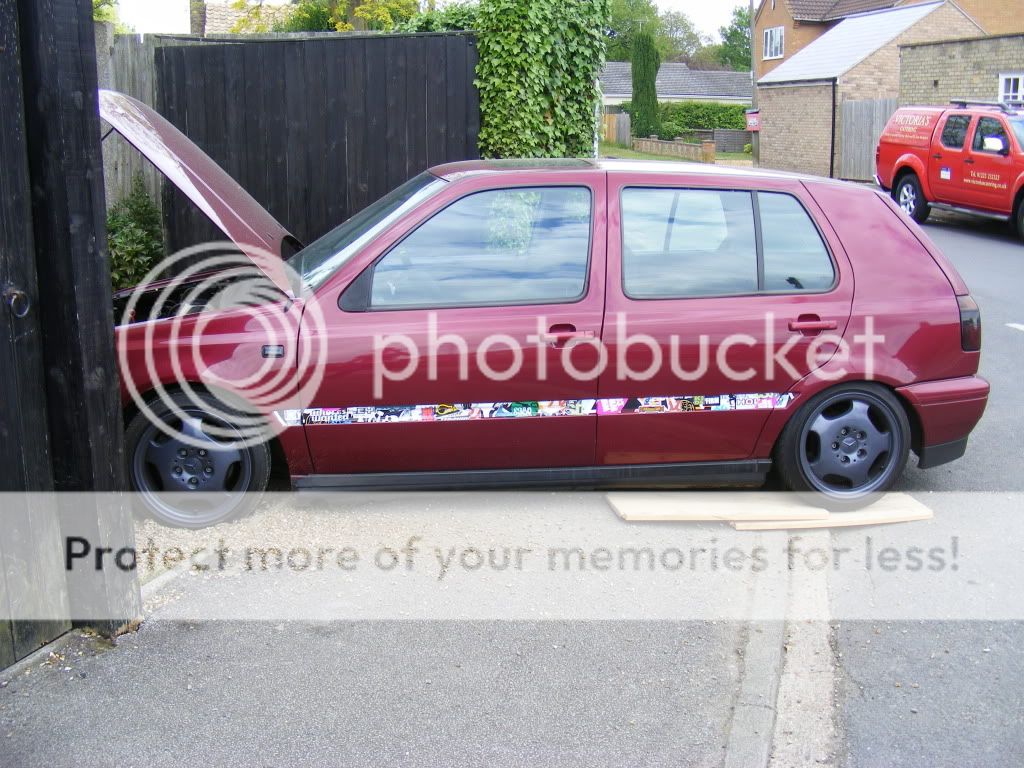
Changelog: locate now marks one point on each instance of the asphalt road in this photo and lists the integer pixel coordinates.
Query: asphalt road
(951, 693)
(541, 692)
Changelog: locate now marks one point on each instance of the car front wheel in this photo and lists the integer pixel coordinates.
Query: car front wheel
(846, 444)
(907, 193)
(197, 469)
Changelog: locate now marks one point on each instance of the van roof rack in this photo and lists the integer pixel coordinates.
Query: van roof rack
(1008, 107)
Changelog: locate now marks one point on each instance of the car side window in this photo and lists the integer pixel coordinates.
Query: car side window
(954, 133)
(989, 128)
(683, 243)
(795, 257)
(524, 245)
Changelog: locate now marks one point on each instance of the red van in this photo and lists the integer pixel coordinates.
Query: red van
(967, 158)
(546, 322)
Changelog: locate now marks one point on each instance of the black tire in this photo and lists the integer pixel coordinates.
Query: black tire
(1017, 222)
(845, 469)
(908, 195)
(183, 486)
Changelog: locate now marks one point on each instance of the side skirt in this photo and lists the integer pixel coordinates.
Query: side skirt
(690, 474)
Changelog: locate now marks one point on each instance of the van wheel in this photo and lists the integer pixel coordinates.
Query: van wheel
(206, 479)
(1018, 219)
(907, 193)
(845, 445)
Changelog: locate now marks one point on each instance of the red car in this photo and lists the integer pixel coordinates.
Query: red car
(565, 323)
(967, 158)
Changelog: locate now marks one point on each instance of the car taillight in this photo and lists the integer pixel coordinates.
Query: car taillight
(970, 324)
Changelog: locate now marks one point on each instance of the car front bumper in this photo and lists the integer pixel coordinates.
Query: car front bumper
(946, 411)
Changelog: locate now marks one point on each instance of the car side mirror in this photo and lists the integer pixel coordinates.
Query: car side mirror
(995, 144)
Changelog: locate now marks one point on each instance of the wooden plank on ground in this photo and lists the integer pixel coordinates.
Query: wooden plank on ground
(893, 508)
(695, 506)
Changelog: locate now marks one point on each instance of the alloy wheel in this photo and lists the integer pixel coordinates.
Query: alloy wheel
(850, 445)
(908, 198)
(207, 475)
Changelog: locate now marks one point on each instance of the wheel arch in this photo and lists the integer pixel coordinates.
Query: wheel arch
(772, 431)
(912, 164)
(130, 410)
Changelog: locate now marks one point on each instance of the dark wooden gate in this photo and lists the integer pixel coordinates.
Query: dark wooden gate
(317, 129)
(60, 421)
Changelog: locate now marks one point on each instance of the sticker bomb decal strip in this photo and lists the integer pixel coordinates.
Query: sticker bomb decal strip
(531, 409)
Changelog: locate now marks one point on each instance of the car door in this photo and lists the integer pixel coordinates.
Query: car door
(987, 172)
(946, 164)
(717, 298)
(450, 343)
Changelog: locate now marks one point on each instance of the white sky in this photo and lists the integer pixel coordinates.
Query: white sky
(707, 15)
(155, 15)
(172, 15)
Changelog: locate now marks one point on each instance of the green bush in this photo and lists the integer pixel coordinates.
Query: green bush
(748, 149)
(686, 116)
(537, 76)
(451, 18)
(308, 16)
(646, 117)
(135, 238)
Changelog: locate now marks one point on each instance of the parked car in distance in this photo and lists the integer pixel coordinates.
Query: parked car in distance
(750, 322)
(966, 158)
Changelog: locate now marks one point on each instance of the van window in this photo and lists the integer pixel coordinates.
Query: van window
(989, 127)
(954, 134)
(683, 243)
(795, 258)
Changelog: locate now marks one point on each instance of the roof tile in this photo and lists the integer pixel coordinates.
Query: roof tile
(677, 81)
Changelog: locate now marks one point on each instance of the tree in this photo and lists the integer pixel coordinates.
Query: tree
(628, 18)
(383, 15)
(452, 17)
(678, 39)
(734, 51)
(646, 62)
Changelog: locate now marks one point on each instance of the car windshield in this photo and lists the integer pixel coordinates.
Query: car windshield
(1018, 129)
(322, 258)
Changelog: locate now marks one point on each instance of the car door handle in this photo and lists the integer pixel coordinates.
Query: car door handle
(969, 161)
(811, 325)
(562, 334)
(937, 156)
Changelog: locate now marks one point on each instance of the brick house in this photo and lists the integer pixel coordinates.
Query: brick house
(782, 28)
(854, 68)
(986, 69)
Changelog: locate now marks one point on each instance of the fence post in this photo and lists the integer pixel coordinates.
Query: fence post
(707, 151)
(58, 60)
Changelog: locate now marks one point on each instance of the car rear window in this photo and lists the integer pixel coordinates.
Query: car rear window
(689, 243)
(680, 243)
(954, 133)
(795, 257)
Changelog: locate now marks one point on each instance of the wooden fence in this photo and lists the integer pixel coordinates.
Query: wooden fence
(861, 124)
(317, 129)
(60, 413)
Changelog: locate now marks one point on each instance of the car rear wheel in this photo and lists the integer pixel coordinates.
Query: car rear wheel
(907, 193)
(846, 444)
(203, 473)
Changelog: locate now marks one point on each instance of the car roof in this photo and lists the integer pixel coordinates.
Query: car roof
(452, 171)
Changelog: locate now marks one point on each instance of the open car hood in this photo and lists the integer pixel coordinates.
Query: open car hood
(245, 222)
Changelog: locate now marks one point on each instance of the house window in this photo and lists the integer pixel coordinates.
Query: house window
(773, 42)
(1011, 86)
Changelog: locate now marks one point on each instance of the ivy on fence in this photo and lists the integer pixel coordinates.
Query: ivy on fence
(537, 76)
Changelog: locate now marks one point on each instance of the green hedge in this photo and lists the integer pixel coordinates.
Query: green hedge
(679, 118)
(135, 239)
(452, 17)
(539, 62)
